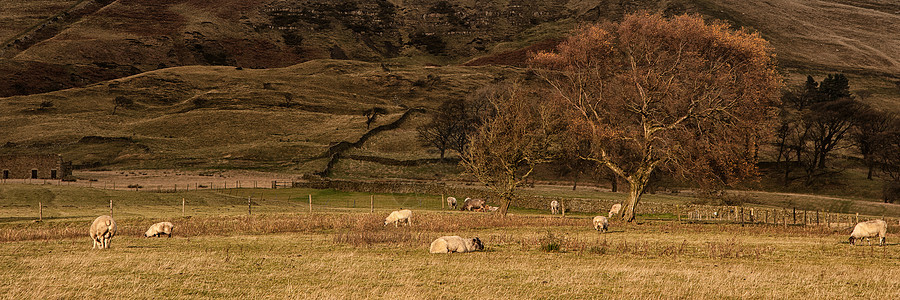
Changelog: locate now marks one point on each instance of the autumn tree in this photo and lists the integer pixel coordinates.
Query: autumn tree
(653, 93)
(868, 132)
(515, 137)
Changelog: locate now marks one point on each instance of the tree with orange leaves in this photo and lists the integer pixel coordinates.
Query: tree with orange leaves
(650, 93)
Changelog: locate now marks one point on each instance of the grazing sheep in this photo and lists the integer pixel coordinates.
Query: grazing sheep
(399, 216)
(554, 207)
(472, 204)
(868, 229)
(102, 230)
(451, 203)
(601, 223)
(450, 244)
(614, 211)
(160, 228)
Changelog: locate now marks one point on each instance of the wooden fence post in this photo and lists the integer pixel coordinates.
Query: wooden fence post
(310, 203)
(678, 212)
(110, 208)
(372, 204)
(442, 201)
(182, 206)
(40, 211)
(249, 206)
(794, 210)
(563, 206)
(857, 219)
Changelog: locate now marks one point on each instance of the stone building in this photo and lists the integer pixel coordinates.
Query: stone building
(35, 166)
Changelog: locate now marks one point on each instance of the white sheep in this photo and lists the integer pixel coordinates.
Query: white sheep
(399, 216)
(554, 207)
(451, 203)
(868, 229)
(491, 208)
(102, 230)
(160, 228)
(601, 223)
(450, 244)
(614, 211)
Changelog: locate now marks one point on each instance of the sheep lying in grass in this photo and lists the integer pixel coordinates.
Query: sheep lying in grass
(451, 203)
(450, 244)
(472, 204)
(868, 229)
(399, 216)
(160, 228)
(102, 230)
(601, 223)
(554, 207)
(614, 211)
(491, 208)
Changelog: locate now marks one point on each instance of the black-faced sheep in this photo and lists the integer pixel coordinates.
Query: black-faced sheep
(102, 230)
(160, 228)
(399, 216)
(869, 229)
(601, 223)
(554, 207)
(614, 211)
(451, 203)
(450, 244)
(472, 204)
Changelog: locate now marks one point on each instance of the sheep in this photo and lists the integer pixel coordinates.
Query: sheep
(160, 228)
(450, 244)
(102, 230)
(399, 216)
(601, 223)
(451, 203)
(867, 229)
(554, 207)
(472, 204)
(491, 208)
(614, 211)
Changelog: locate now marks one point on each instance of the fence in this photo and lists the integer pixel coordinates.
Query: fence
(651, 210)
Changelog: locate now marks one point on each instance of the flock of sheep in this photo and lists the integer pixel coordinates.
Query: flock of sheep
(104, 227)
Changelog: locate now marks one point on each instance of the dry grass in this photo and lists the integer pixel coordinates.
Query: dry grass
(353, 256)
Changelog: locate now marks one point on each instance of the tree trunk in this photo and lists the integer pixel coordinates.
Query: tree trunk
(871, 168)
(614, 182)
(637, 182)
(442, 153)
(504, 205)
(575, 182)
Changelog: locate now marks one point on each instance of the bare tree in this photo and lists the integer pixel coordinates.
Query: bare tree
(502, 153)
(651, 92)
(869, 125)
(447, 128)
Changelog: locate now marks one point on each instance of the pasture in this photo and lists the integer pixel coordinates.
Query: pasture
(282, 251)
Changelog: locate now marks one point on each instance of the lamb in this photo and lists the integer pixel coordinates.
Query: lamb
(873, 228)
(451, 203)
(160, 228)
(601, 223)
(472, 204)
(102, 230)
(554, 207)
(399, 216)
(614, 211)
(450, 244)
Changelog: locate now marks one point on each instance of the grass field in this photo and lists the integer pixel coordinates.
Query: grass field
(281, 251)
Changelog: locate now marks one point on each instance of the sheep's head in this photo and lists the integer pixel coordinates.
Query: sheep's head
(852, 241)
(478, 245)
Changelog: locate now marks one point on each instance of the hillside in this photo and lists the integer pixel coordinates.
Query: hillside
(226, 117)
(127, 37)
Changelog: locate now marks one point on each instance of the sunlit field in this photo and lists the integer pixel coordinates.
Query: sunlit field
(281, 250)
